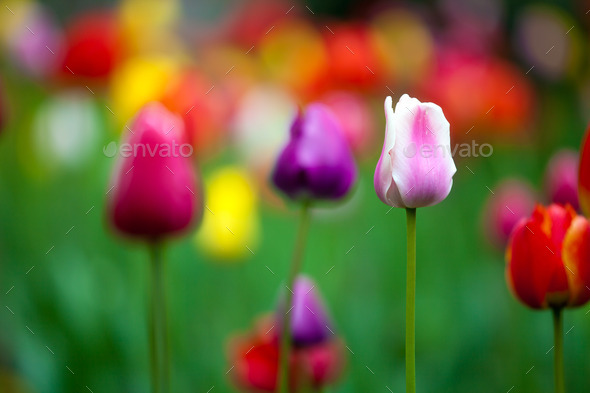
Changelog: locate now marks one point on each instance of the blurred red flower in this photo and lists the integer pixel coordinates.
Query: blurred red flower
(353, 58)
(486, 94)
(255, 358)
(93, 46)
(204, 115)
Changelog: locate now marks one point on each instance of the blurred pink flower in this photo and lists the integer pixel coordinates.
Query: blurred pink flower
(561, 178)
(355, 117)
(36, 44)
(512, 201)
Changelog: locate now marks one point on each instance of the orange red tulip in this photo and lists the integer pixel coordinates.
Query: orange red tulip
(548, 258)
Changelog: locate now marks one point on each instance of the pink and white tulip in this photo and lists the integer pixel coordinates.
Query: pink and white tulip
(416, 166)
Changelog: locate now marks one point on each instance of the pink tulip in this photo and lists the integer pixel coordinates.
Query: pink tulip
(512, 201)
(416, 167)
(154, 193)
(561, 178)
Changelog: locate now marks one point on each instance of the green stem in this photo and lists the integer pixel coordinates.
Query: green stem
(159, 354)
(411, 302)
(296, 262)
(558, 350)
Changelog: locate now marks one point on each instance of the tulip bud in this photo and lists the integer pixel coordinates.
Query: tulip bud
(561, 178)
(416, 166)
(512, 201)
(317, 162)
(548, 258)
(310, 323)
(154, 191)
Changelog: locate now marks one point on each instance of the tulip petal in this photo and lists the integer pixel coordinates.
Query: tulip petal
(584, 175)
(423, 167)
(384, 186)
(556, 222)
(576, 258)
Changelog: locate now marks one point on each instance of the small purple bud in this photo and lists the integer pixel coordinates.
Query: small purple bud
(310, 323)
(561, 178)
(317, 161)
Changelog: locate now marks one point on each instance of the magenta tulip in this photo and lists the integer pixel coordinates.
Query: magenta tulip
(416, 167)
(154, 189)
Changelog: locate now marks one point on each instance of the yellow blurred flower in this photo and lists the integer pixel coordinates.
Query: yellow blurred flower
(230, 226)
(295, 55)
(148, 25)
(14, 15)
(406, 43)
(138, 81)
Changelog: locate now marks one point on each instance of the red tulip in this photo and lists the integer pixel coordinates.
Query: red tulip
(255, 358)
(154, 193)
(548, 258)
(584, 175)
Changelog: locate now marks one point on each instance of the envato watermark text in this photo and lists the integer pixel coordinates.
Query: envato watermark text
(428, 150)
(148, 150)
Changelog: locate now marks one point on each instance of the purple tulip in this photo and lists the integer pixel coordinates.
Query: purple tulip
(154, 190)
(317, 162)
(512, 201)
(561, 178)
(310, 323)
(416, 166)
